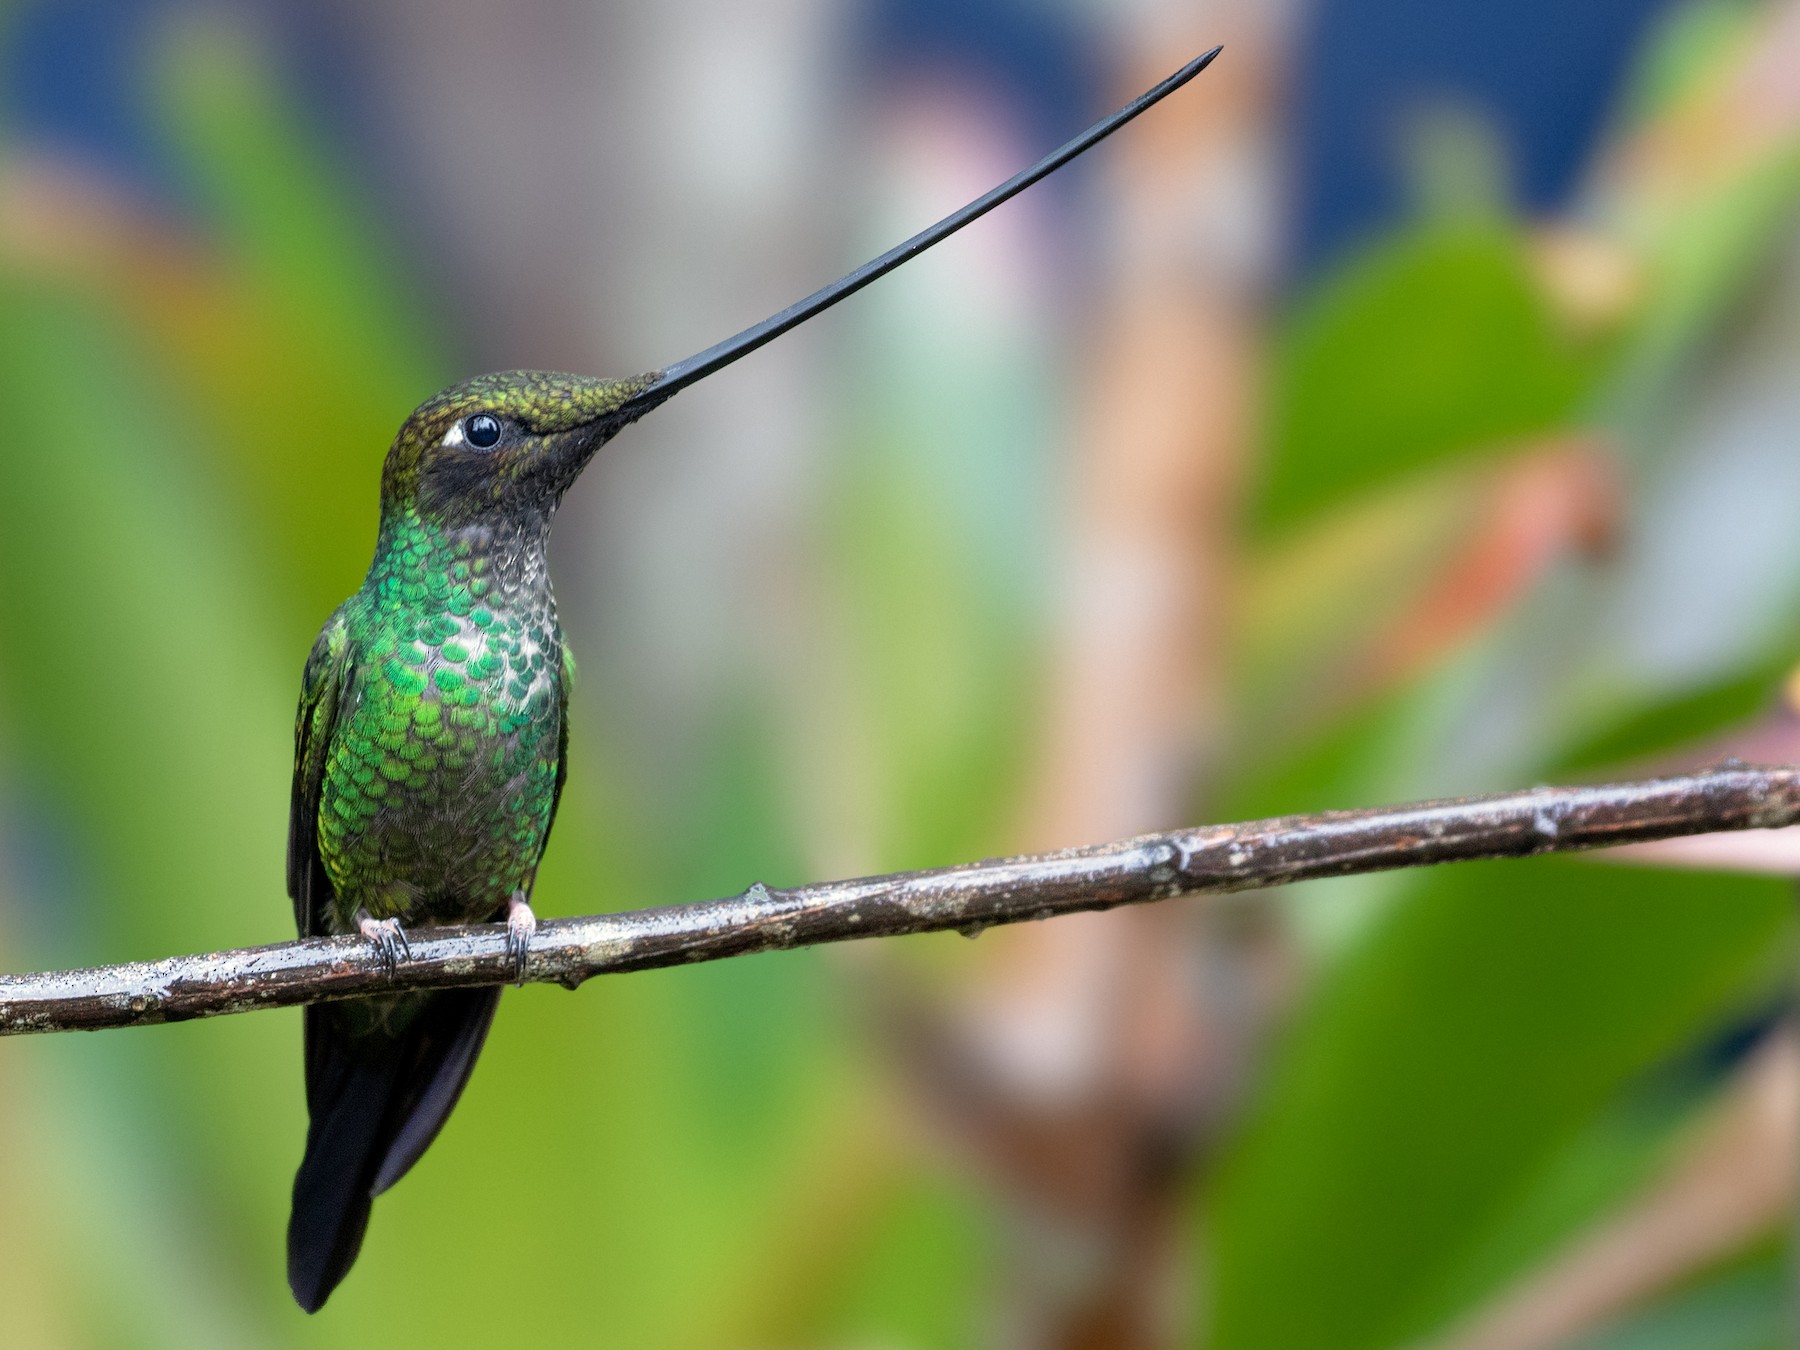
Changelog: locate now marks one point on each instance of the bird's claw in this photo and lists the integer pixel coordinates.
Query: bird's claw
(521, 927)
(389, 939)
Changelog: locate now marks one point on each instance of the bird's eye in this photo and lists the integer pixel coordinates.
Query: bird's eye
(482, 431)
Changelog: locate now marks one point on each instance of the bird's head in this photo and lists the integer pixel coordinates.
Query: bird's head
(507, 444)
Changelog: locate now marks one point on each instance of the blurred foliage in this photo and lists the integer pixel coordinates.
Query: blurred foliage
(1548, 986)
(1743, 1307)
(1469, 356)
(706, 1157)
(1437, 1120)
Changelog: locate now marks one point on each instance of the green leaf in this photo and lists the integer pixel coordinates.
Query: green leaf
(1635, 731)
(1434, 344)
(1445, 1064)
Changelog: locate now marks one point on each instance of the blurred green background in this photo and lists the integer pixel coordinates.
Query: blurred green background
(1172, 493)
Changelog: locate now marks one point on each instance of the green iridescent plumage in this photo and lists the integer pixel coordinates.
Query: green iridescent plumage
(430, 751)
(439, 781)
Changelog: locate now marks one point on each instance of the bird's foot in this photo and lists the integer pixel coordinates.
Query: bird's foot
(387, 935)
(521, 926)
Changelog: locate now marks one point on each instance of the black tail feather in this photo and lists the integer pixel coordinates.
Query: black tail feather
(377, 1099)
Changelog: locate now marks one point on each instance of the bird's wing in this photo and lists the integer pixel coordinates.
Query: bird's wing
(563, 687)
(322, 688)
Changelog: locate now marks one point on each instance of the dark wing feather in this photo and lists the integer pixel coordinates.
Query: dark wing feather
(322, 689)
(562, 744)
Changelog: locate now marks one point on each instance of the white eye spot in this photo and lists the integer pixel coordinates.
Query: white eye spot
(454, 436)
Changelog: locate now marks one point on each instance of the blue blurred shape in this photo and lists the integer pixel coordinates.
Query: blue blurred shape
(71, 83)
(1544, 72)
(1041, 55)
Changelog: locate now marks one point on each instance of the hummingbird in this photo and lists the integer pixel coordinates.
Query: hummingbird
(432, 738)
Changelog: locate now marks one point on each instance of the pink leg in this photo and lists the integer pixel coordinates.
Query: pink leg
(388, 937)
(521, 924)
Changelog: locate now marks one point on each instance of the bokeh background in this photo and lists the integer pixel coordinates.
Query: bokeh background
(1409, 407)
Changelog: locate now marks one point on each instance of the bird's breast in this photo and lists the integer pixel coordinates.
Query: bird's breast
(441, 779)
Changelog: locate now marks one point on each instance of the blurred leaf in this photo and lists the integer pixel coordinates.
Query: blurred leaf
(1631, 1144)
(301, 344)
(287, 217)
(1317, 599)
(1747, 1306)
(1691, 41)
(1435, 343)
(1456, 163)
(1374, 593)
(1333, 770)
(1443, 1066)
(1706, 256)
(1636, 732)
(149, 710)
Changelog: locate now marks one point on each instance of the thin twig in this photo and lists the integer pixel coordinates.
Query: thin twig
(969, 898)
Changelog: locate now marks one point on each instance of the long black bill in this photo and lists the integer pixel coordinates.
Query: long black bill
(716, 357)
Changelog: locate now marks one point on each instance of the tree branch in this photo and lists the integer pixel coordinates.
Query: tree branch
(969, 898)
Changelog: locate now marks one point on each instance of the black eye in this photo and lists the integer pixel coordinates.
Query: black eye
(482, 431)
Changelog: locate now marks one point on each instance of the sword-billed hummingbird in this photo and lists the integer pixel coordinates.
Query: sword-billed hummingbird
(432, 738)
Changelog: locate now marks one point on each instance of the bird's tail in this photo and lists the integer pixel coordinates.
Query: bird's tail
(381, 1078)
